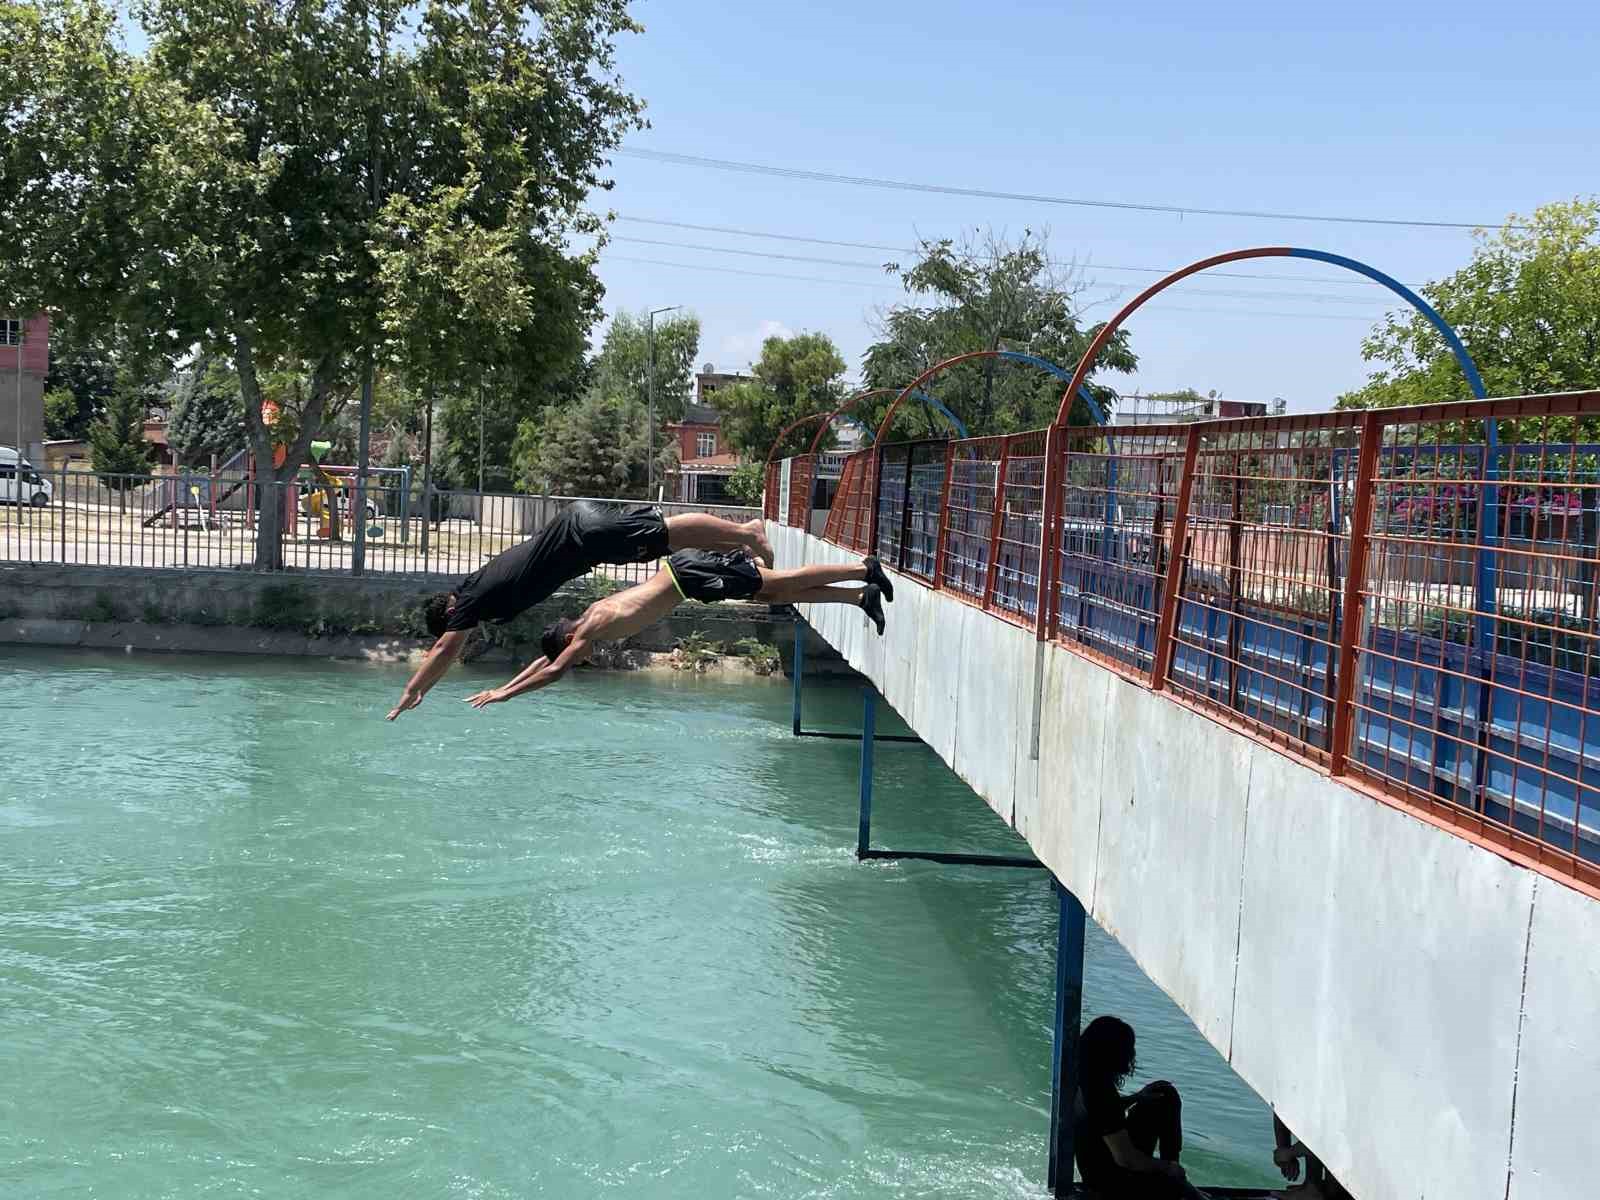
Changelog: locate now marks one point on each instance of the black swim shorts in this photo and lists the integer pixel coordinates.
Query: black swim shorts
(712, 575)
(637, 533)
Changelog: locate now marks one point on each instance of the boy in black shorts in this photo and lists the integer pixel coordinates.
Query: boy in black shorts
(703, 575)
(583, 536)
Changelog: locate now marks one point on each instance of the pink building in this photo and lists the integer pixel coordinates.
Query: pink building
(24, 361)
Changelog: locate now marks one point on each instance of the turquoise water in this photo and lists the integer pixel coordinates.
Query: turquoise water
(254, 941)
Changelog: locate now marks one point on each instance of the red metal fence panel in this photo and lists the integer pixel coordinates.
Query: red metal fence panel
(1117, 496)
(1395, 595)
(802, 477)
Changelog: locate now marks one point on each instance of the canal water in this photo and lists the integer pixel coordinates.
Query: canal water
(254, 941)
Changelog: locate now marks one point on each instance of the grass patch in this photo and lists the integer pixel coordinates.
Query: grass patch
(763, 658)
(154, 614)
(284, 607)
(696, 653)
(103, 609)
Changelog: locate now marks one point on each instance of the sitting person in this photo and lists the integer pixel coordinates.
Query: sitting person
(1126, 1147)
(1319, 1183)
(704, 575)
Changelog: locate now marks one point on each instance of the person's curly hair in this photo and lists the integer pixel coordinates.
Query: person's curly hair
(1106, 1052)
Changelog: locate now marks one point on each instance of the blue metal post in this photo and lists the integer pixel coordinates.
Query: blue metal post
(1069, 1019)
(869, 726)
(798, 669)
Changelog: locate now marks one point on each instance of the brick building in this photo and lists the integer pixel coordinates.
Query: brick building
(24, 360)
(705, 460)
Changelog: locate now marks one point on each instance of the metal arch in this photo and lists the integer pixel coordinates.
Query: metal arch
(1012, 355)
(1488, 524)
(1086, 363)
(825, 418)
(960, 428)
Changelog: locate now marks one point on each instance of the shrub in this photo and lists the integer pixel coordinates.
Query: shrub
(763, 658)
(284, 606)
(696, 653)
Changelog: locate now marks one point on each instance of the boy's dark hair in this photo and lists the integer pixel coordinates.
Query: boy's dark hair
(1106, 1052)
(557, 637)
(435, 612)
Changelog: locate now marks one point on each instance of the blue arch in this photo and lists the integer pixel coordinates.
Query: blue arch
(961, 428)
(1095, 411)
(1489, 518)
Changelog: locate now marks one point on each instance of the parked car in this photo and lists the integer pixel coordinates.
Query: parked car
(33, 489)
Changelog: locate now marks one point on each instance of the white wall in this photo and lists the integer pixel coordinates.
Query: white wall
(1420, 1010)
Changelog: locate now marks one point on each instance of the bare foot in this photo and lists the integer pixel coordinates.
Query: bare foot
(758, 536)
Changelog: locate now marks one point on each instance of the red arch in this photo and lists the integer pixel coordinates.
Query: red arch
(786, 431)
(1086, 363)
(936, 369)
(839, 412)
(826, 419)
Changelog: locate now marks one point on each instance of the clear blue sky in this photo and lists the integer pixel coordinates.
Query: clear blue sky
(1419, 111)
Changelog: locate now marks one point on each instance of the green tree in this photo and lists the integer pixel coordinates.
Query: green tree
(592, 448)
(60, 413)
(207, 417)
(289, 185)
(117, 448)
(1527, 307)
(747, 483)
(621, 368)
(988, 295)
(797, 376)
(85, 371)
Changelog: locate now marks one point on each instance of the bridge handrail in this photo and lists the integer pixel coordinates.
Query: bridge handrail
(1312, 580)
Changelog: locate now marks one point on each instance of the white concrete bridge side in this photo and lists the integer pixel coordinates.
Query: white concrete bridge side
(1420, 1010)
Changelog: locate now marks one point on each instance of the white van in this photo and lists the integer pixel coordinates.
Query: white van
(34, 488)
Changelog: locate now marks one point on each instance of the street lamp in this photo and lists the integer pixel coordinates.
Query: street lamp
(650, 389)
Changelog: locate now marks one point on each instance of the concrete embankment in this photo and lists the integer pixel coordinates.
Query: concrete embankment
(376, 618)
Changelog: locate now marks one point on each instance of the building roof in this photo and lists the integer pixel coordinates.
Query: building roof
(715, 463)
(701, 414)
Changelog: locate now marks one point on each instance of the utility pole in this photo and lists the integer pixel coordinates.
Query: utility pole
(650, 391)
(358, 555)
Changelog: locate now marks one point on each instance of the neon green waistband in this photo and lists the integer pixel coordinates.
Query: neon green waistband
(682, 595)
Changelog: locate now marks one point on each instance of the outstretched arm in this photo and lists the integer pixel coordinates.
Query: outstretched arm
(540, 673)
(431, 671)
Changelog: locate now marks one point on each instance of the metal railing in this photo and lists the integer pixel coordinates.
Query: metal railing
(204, 521)
(1405, 598)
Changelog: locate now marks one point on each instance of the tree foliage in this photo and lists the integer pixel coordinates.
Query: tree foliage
(747, 483)
(1527, 308)
(207, 417)
(796, 376)
(60, 414)
(621, 369)
(117, 448)
(988, 294)
(84, 370)
(595, 447)
(299, 187)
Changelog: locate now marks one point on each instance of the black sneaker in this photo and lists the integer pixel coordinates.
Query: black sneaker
(877, 575)
(872, 605)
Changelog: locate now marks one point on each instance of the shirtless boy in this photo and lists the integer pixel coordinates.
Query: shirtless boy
(692, 575)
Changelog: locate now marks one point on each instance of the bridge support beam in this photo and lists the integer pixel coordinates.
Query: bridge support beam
(864, 850)
(869, 733)
(1069, 1019)
(797, 668)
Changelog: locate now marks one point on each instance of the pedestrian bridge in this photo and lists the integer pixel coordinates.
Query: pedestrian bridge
(1306, 712)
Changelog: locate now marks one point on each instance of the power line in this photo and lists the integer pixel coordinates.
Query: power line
(658, 262)
(1359, 281)
(748, 168)
(1235, 293)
